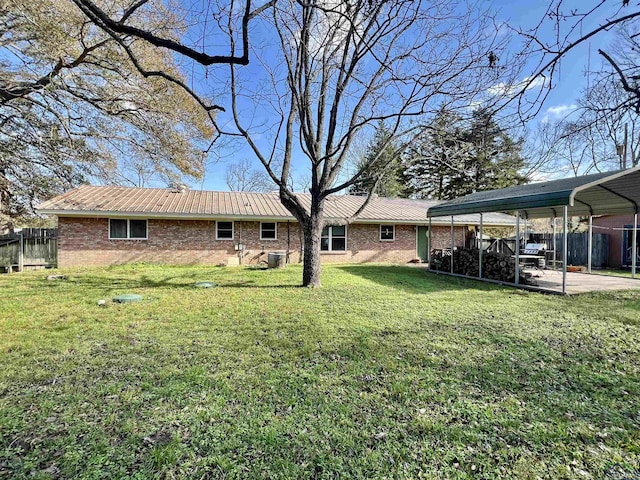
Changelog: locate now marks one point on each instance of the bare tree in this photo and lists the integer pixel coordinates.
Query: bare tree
(242, 177)
(326, 72)
(571, 28)
(601, 130)
(336, 71)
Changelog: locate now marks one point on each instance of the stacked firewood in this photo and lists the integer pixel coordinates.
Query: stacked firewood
(495, 266)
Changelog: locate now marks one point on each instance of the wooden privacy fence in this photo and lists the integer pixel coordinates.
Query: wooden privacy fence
(30, 248)
(577, 247)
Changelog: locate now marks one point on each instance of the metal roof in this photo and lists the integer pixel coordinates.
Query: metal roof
(95, 201)
(598, 194)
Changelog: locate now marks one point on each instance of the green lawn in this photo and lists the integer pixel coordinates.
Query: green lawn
(385, 372)
(616, 272)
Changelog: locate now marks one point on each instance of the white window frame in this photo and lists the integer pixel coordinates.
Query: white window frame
(276, 232)
(128, 237)
(393, 239)
(233, 230)
(330, 236)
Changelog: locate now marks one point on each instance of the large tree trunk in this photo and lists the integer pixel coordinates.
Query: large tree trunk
(311, 266)
(312, 230)
(311, 223)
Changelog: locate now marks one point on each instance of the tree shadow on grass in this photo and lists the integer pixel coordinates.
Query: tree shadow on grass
(410, 279)
(135, 281)
(184, 281)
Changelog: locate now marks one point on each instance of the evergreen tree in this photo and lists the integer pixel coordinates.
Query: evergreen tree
(382, 164)
(432, 163)
(458, 157)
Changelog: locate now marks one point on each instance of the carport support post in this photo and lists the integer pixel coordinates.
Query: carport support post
(20, 253)
(634, 249)
(429, 245)
(453, 241)
(590, 243)
(516, 268)
(480, 253)
(555, 248)
(565, 214)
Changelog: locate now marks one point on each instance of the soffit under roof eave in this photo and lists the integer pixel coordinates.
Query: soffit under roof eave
(599, 182)
(575, 211)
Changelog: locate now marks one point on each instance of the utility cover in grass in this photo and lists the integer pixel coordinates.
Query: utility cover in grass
(205, 284)
(127, 298)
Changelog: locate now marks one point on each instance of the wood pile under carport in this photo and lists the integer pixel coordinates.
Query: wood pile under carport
(495, 266)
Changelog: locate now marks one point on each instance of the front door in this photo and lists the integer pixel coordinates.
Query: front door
(423, 243)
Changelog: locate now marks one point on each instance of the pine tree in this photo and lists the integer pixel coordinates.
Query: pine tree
(458, 157)
(432, 163)
(382, 164)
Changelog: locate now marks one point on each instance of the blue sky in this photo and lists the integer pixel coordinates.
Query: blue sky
(567, 85)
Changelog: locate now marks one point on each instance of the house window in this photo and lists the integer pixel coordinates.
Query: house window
(334, 239)
(224, 231)
(268, 231)
(126, 229)
(387, 233)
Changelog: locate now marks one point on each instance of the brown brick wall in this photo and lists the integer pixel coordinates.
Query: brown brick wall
(85, 241)
(364, 245)
(441, 237)
(611, 225)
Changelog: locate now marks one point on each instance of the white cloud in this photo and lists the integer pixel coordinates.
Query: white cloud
(539, 177)
(558, 111)
(509, 89)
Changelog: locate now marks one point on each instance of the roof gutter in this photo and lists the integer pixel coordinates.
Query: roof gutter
(166, 216)
(248, 218)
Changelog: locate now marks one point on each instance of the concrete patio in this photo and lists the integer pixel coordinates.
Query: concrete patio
(550, 281)
(580, 282)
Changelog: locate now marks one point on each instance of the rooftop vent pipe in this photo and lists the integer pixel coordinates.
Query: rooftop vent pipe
(180, 188)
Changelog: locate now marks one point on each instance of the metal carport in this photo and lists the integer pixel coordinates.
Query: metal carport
(608, 193)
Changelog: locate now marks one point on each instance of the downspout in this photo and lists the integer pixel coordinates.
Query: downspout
(240, 246)
(288, 240)
(301, 242)
(452, 244)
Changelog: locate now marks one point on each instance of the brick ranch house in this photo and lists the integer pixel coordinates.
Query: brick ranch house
(110, 225)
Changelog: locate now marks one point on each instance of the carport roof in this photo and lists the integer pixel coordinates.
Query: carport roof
(615, 192)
